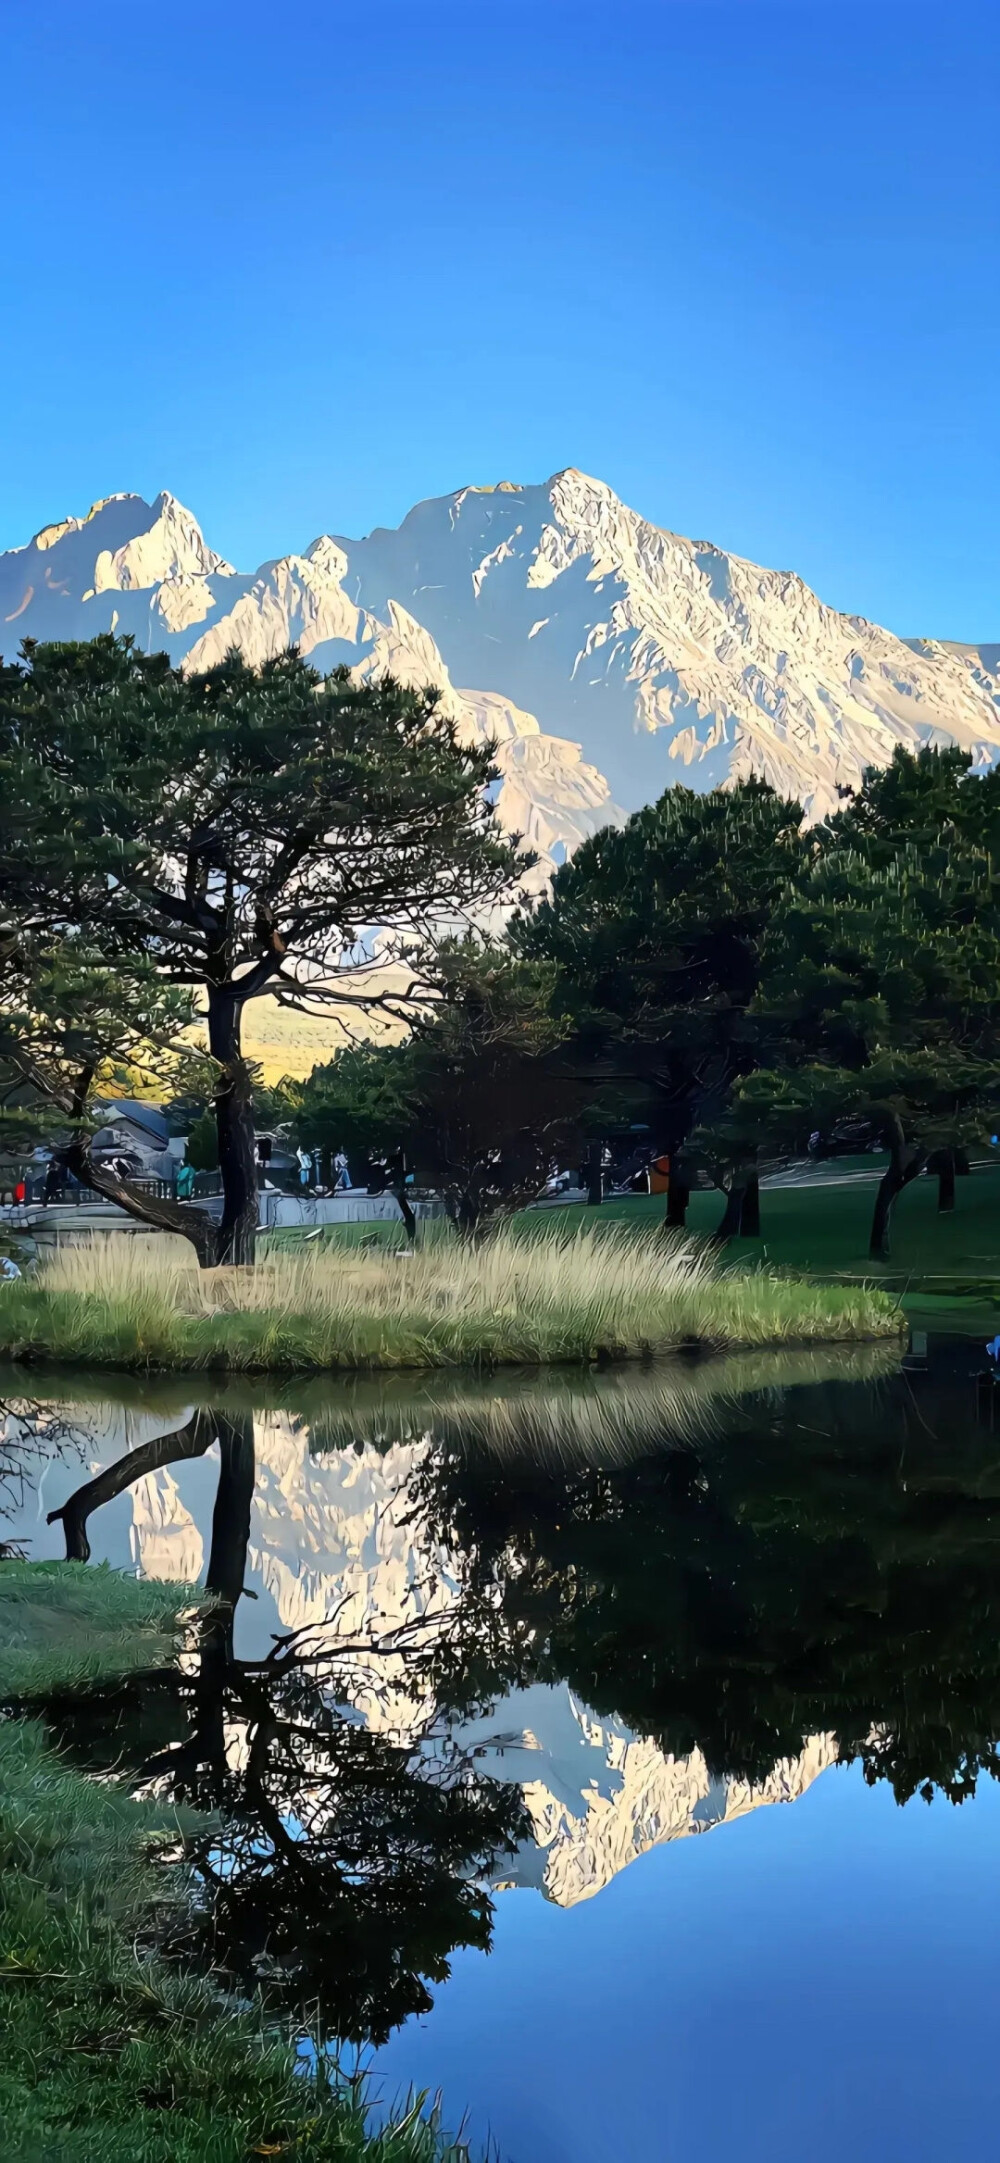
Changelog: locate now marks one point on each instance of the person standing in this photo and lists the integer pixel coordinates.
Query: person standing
(305, 1166)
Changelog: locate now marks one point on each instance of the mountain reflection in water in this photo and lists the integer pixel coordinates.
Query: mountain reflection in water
(519, 1633)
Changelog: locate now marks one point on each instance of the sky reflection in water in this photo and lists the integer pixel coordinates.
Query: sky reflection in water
(646, 1606)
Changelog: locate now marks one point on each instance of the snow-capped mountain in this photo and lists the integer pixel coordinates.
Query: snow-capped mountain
(146, 569)
(607, 656)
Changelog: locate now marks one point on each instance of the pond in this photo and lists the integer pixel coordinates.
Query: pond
(488, 1657)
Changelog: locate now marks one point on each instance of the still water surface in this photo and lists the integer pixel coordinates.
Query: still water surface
(490, 1657)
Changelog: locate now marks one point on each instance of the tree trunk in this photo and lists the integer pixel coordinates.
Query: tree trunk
(205, 1748)
(236, 1238)
(227, 1560)
(406, 1213)
(897, 1175)
(731, 1221)
(741, 1216)
(750, 1213)
(946, 1179)
(184, 1218)
(678, 1197)
(595, 1175)
(167, 1449)
(467, 1216)
(889, 1186)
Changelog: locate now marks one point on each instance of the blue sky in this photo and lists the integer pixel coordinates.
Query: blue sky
(305, 266)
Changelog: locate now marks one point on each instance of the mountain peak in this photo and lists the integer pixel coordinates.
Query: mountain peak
(169, 546)
(122, 545)
(588, 480)
(660, 658)
(49, 536)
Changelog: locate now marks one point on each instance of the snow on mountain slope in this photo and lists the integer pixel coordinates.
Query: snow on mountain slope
(146, 569)
(599, 1796)
(667, 659)
(645, 657)
(124, 549)
(606, 657)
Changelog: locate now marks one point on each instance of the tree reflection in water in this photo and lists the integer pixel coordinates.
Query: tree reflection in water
(814, 1558)
(829, 1561)
(344, 1866)
(29, 1432)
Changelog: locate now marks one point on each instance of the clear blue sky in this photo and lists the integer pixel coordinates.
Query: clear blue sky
(305, 265)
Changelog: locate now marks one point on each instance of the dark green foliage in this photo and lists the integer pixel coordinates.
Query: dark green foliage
(241, 833)
(70, 1020)
(827, 1563)
(655, 931)
(655, 927)
(476, 1102)
(880, 996)
(916, 800)
(746, 981)
(357, 1913)
(347, 1866)
(108, 2051)
(362, 1101)
(494, 1102)
(202, 1151)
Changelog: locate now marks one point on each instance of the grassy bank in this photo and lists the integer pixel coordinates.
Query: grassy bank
(63, 1627)
(570, 1297)
(104, 2050)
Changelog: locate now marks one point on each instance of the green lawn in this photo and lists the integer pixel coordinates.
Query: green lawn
(946, 1265)
(823, 1228)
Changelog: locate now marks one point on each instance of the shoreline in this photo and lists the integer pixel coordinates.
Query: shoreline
(216, 1361)
(191, 2072)
(576, 1299)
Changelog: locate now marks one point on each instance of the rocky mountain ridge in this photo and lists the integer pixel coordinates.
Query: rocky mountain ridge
(145, 569)
(608, 656)
(605, 656)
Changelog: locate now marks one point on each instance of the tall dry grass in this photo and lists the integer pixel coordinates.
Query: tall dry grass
(576, 1296)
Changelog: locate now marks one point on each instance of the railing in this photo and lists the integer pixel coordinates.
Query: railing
(70, 1194)
(206, 1184)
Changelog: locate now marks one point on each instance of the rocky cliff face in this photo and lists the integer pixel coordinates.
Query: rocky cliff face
(145, 569)
(610, 657)
(666, 658)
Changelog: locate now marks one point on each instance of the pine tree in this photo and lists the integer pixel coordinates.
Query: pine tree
(240, 834)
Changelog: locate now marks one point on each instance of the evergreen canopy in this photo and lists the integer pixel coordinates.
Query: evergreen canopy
(243, 833)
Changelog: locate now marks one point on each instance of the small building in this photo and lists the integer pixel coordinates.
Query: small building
(140, 1136)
